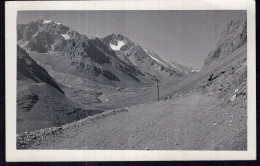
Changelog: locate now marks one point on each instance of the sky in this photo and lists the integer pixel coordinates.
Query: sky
(183, 36)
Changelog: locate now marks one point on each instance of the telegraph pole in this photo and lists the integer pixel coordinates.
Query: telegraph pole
(157, 81)
(158, 88)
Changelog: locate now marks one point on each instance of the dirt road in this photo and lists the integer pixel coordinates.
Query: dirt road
(188, 122)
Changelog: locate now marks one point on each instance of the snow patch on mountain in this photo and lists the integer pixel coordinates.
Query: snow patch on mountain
(119, 45)
(66, 36)
(35, 34)
(47, 21)
(154, 58)
(157, 60)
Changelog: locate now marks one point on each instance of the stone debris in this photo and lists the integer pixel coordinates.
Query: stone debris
(233, 98)
(220, 87)
(24, 140)
(236, 90)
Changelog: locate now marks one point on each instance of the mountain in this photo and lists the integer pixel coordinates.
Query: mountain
(114, 60)
(94, 60)
(41, 102)
(147, 61)
(233, 37)
(44, 35)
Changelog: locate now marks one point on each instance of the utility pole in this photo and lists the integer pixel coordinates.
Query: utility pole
(158, 88)
(157, 81)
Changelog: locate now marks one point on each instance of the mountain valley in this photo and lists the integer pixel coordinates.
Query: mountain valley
(101, 93)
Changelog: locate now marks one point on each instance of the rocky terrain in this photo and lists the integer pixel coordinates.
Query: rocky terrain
(206, 110)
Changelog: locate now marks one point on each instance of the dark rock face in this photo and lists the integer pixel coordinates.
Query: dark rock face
(96, 53)
(27, 68)
(110, 75)
(232, 38)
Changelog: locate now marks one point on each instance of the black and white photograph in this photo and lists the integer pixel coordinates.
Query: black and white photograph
(134, 80)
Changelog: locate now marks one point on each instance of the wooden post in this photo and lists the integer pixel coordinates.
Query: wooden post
(157, 81)
(158, 88)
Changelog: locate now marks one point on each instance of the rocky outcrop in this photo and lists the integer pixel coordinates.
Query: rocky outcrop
(233, 37)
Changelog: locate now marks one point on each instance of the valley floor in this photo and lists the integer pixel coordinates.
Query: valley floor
(190, 122)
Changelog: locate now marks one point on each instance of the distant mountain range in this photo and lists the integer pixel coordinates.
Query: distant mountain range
(113, 59)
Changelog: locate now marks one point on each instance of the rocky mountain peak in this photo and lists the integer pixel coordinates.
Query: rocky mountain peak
(115, 36)
(44, 35)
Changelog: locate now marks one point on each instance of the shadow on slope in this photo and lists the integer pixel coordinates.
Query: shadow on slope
(40, 101)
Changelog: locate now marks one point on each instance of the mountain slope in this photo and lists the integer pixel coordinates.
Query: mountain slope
(29, 70)
(93, 59)
(40, 101)
(232, 38)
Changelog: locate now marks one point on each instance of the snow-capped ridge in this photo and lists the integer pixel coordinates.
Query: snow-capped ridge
(47, 21)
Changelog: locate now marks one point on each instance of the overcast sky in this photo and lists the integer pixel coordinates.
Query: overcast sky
(183, 36)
